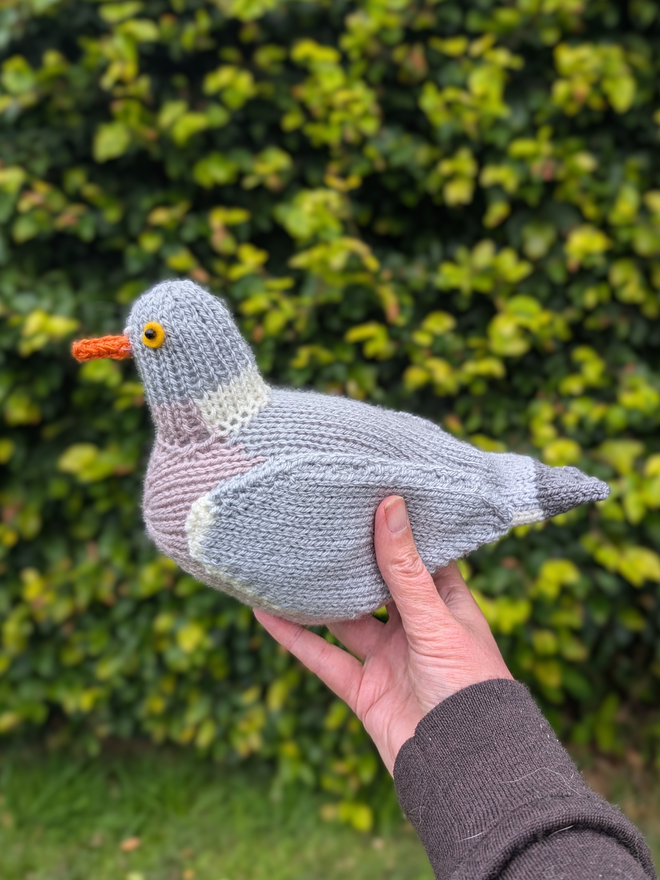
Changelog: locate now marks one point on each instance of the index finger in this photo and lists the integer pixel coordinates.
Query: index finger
(338, 669)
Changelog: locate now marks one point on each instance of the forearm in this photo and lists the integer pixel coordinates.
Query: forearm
(492, 794)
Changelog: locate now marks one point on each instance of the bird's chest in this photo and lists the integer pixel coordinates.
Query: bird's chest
(176, 477)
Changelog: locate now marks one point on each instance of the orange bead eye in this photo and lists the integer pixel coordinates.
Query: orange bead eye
(153, 334)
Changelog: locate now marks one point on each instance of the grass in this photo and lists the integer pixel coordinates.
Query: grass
(168, 816)
(165, 816)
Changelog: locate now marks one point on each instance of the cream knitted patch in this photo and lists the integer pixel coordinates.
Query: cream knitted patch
(198, 524)
(231, 406)
(527, 517)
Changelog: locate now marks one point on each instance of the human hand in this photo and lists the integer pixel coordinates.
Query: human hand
(435, 643)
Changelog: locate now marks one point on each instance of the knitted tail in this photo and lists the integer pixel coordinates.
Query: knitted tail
(536, 491)
(559, 489)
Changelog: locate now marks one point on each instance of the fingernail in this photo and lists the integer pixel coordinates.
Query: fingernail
(396, 516)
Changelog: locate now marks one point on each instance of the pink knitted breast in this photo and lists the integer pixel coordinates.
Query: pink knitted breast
(176, 477)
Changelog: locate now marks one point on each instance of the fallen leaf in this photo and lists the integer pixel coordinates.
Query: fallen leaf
(188, 874)
(129, 844)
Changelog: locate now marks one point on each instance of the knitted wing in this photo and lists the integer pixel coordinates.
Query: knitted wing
(295, 534)
(305, 423)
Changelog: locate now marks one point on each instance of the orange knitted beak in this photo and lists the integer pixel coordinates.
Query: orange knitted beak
(117, 347)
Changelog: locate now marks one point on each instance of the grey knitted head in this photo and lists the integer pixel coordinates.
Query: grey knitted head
(202, 349)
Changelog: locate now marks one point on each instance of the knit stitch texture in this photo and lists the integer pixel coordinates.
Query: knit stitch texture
(270, 494)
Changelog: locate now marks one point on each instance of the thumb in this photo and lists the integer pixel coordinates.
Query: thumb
(412, 587)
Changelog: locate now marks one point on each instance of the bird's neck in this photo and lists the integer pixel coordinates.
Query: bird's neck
(220, 413)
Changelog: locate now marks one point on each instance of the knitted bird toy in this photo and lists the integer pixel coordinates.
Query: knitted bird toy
(270, 494)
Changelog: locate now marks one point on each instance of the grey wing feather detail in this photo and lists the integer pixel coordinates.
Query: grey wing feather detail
(295, 535)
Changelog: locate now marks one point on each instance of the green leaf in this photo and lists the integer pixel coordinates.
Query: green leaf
(621, 454)
(112, 139)
(7, 449)
(142, 30)
(586, 241)
(115, 12)
(561, 452)
(438, 323)
(215, 170)
(187, 125)
(190, 637)
(21, 409)
(538, 238)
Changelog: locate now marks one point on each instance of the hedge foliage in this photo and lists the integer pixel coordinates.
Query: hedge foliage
(447, 207)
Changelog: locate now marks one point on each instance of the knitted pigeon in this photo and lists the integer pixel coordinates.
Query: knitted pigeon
(270, 494)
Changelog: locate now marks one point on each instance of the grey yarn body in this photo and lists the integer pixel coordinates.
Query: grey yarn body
(270, 495)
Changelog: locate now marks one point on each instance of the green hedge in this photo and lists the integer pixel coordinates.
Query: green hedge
(446, 207)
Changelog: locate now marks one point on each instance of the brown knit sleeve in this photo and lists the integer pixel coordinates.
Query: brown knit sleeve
(493, 794)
